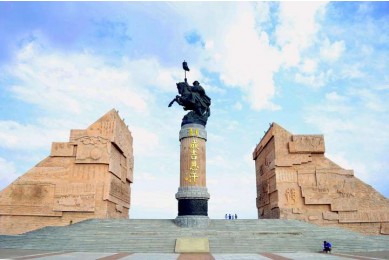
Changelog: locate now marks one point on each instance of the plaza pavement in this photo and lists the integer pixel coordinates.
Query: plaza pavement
(63, 255)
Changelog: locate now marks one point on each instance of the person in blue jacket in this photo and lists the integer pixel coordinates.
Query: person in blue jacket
(326, 247)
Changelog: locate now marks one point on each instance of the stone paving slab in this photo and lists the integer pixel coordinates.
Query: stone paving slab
(152, 256)
(311, 256)
(9, 253)
(377, 254)
(75, 255)
(239, 256)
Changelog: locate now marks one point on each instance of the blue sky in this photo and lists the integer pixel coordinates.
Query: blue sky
(312, 67)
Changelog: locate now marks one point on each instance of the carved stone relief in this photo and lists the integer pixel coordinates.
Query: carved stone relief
(116, 158)
(286, 174)
(308, 186)
(79, 178)
(307, 144)
(91, 149)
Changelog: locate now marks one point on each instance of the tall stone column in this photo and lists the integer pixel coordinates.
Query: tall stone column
(192, 194)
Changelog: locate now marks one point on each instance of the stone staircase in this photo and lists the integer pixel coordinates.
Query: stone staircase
(225, 236)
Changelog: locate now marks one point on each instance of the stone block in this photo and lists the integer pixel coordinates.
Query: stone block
(297, 211)
(192, 245)
(293, 159)
(364, 216)
(329, 215)
(286, 174)
(384, 228)
(307, 144)
(62, 149)
(344, 204)
(306, 177)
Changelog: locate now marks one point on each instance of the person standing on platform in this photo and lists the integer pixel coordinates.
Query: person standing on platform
(236, 216)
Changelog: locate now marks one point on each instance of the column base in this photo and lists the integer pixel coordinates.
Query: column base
(193, 221)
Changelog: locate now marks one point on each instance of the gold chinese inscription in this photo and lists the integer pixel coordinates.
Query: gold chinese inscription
(193, 132)
(192, 176)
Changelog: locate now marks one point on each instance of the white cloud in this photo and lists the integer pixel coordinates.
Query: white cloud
(371, 100)
(335, 103)
(334, 96)
(145, 141)
(313, 80)
(17, 136)
(332, 51)
(352, 71)
(298, 24)
(244, 54)
(249, 60)
(75, 82)
(297, 28)
(309, 66)
(262, 10)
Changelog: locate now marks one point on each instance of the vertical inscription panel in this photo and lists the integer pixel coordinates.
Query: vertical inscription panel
(192, 162)
(118, 190)
(123, 138)
(115, 162)
(130, 169)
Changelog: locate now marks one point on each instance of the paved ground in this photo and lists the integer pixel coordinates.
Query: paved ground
(52, 255)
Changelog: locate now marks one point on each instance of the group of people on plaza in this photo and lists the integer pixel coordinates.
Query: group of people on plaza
(231, 216)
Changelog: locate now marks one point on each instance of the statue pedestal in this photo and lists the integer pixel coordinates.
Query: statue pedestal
(192, 194)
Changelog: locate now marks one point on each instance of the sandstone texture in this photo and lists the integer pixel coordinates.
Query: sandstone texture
(87, 177)
(296, 181)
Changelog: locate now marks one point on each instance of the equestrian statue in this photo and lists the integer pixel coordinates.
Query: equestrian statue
(192, 98)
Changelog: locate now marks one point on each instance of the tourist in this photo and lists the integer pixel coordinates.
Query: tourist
(326, 247)
(232, 216)
(236, 216)
(229, 216)
(226, 217)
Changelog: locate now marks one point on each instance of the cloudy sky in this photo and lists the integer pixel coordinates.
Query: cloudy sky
(312, 67)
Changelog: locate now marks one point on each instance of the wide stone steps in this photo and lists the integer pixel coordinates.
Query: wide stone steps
(225, 236)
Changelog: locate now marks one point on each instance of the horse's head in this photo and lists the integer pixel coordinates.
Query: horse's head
(182, 88)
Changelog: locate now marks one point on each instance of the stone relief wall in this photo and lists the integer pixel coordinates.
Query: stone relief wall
(87, 177)
(296, 181)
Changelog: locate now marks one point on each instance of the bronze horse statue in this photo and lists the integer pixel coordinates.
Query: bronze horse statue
(193, 98)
